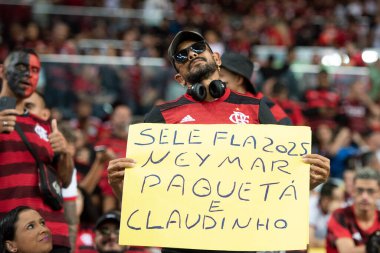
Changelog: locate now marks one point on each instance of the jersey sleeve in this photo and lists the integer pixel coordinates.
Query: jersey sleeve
(278, 113)
(265, 115)
(154, 116)
(336, 228)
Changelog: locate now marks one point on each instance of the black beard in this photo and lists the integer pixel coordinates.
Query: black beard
(201, 73)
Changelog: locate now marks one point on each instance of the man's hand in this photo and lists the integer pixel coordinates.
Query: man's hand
(57, 140)
(319, 169)
(7, 120)
(115, 172)
(105, 156)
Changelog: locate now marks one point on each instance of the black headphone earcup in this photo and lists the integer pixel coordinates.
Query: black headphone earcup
(197, 92)
(217, 88)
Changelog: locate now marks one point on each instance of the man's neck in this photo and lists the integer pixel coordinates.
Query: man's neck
(365, 218)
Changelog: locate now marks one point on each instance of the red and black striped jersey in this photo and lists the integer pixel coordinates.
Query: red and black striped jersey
(277, 111)
(343, 224)
(231, 108)
(19, 178)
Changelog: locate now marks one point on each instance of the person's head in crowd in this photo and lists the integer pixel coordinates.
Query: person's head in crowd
(280, 91)
(20, 73)
(36, 105)
(324, 135)
(214, 40)
(84, 108)
(323, 79)
(366, 191)
(348, 180)
(370, 159)
(23, 230)
(373, 243)
(236, 71)
(195, 64)
(60, 32)
(107, 233)
(121, 118)
(32, 31)
(331, 197)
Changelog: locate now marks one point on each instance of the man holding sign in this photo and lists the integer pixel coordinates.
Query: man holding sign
(207, 101)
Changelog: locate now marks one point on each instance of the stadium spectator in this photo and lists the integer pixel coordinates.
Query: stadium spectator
(24, 230)
(20, 74)
(349, 228)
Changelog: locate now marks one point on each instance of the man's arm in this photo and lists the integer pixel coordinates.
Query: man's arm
(65, 164)
(93, 176)
(65, 169)
(347, 245)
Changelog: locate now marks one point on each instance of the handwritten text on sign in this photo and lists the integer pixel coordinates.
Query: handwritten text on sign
(220, 187)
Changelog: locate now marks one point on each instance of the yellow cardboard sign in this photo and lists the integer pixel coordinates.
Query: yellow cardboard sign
(217, 187)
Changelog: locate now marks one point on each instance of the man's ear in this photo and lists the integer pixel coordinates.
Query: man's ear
(45, 113)
(217, 59)
(180, 80)
(240, 80)
(11, 246)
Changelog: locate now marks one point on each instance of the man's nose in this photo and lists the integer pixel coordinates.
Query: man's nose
(27, 72)
(191, 55)
(113, 236)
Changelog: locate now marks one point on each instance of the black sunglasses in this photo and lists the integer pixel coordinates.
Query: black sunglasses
(182, 56)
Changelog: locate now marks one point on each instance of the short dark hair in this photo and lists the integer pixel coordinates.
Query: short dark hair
(22, 51)
(7, 225)
(328, 189)
(111, 216)
(367, 173)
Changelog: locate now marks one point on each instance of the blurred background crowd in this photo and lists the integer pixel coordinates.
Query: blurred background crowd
(104, 64)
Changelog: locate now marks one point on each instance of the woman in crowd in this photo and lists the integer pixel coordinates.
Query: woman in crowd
(23, 230)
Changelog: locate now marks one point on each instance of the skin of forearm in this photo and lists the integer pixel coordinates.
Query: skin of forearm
(65, 169)
(92, 178)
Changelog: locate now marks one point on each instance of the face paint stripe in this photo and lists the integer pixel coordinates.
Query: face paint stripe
(19, 73)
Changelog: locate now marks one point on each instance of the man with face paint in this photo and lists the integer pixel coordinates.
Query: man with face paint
(18, 169)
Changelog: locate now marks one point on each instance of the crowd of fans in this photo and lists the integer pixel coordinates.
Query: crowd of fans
(95, 103)
(227, 25)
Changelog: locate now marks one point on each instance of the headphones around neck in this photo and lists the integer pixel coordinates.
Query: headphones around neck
(198, 91)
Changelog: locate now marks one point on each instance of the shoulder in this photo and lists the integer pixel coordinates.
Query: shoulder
(156, 113)
(238, 98)
(29, 119)
(342, 215)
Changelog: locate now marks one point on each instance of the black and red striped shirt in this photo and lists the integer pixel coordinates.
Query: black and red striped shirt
(343, 224)
(18, 174)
